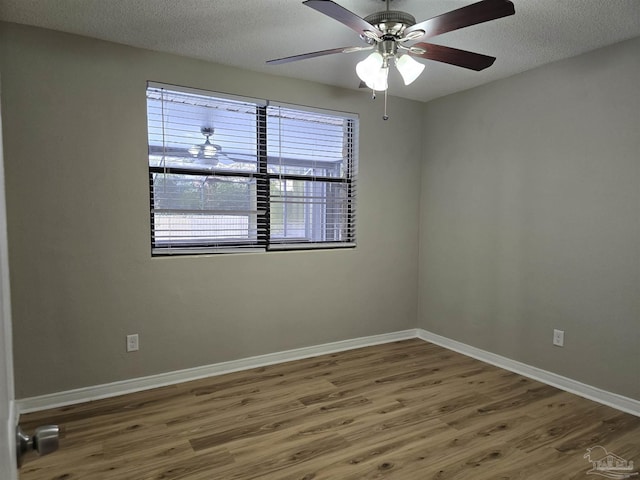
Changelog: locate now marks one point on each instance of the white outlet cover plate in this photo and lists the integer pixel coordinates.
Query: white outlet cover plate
(133, 343)
(558, 338)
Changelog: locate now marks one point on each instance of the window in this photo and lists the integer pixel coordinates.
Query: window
(230, 174)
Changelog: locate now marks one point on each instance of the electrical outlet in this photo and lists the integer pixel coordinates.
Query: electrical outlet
(133, 344)
(558, 338)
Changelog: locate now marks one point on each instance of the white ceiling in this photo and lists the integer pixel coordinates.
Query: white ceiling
(246, 33)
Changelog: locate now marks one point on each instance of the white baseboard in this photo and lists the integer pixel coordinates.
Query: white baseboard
(81, 395)
(96, 392)
(619, 402)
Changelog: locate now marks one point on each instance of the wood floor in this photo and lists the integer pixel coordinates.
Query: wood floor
(406, 410)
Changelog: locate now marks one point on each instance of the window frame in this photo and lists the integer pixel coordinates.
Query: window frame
(265, 241)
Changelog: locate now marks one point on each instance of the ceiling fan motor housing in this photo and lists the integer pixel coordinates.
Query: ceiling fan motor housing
(391, 22)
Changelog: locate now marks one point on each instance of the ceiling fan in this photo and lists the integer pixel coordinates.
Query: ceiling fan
(205, 154)
(206, 150)
(392, 34)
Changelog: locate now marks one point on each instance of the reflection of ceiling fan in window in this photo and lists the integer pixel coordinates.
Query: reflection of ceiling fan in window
(207, 152)
(207, 149)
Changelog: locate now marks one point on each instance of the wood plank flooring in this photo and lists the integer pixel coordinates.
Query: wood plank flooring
(405, 410)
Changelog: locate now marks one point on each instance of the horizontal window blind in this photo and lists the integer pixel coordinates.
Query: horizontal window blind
(203, 164)
(235, 174)
(311, 165)
(204, 210)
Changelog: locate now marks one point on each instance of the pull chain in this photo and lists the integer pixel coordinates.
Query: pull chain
(373, 97)
(385, 116)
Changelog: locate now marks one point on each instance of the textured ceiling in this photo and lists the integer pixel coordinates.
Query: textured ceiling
(246, 33)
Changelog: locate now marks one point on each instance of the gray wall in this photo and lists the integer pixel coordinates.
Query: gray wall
(530, 217)
(77, 191)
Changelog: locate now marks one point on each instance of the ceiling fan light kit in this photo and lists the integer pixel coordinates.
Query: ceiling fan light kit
(207, 149)
(409, 68)
(371, 71)
(389, 32)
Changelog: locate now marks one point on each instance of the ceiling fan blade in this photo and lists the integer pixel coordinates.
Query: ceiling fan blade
(473, 14)
(357, 49)
(343, 16)
(453, 56)
(321, 53)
